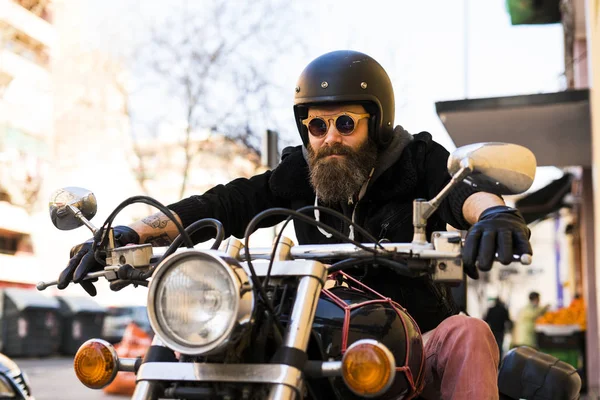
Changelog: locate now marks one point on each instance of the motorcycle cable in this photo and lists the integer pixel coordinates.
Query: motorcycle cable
(257, 284)
(100, 237)
(196, 226)
(326, 210)
(190, 230)
(396, 266)
(282, 298)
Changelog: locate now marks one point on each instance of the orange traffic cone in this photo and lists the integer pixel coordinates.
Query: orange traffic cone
(135, 343)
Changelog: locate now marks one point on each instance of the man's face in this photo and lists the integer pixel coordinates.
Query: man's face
(340, 164)
(356, 139)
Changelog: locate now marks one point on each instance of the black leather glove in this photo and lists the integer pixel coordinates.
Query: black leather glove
(83, 261)
(500, 229)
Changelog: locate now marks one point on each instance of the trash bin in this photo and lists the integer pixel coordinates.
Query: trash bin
(565, 342)
(82, 319)
(30, 323)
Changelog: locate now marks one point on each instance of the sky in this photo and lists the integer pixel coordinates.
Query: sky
(433, 50)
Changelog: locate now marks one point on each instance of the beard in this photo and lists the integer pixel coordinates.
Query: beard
(339, 178)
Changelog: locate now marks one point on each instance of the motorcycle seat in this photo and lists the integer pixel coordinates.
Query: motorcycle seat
(526, 373)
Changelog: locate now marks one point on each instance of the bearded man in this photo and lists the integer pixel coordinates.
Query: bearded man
(353, 160)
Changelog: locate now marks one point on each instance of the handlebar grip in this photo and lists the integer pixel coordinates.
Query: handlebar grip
(119, 284)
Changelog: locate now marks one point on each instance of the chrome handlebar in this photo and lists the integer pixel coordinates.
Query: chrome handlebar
(286, 250)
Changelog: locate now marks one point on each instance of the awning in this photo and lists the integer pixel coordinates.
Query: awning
(547, 200)
(555, 126)
(25, 298)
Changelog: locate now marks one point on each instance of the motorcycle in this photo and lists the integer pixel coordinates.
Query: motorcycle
(289, 321)
(14, 383)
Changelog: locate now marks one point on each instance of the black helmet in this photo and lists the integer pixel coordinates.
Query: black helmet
(346, 76)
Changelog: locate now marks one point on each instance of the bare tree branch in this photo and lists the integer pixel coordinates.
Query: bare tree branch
(216, 66)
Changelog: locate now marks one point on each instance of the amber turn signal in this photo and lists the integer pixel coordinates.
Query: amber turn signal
(368, 368)
(96, 363)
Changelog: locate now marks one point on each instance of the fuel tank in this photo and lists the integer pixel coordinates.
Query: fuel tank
(346, 314)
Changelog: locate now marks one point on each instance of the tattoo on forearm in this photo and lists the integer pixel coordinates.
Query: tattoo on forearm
(156, 221)
(161, 240)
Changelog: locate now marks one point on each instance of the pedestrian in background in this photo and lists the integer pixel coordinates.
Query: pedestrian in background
(498, 318)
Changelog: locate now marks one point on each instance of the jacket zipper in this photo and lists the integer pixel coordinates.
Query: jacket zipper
(449, 309)
(350, 227)
(384, 228)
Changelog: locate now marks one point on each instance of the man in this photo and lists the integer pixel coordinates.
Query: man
(498, 319)
(524, 330)
(353, 160)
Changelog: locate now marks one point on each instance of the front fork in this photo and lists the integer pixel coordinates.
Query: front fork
(298, 332)
(150, 390)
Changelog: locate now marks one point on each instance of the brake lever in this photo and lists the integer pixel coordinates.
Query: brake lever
(108, 274)
(525, 259)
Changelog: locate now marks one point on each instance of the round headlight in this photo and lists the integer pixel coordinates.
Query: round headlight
(197, 301)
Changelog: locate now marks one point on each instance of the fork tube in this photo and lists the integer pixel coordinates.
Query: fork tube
(303, 313)
(282, 392)
(147, 390)
(299, 328)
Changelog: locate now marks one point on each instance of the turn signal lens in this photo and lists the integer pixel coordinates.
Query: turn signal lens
(96, 363)
(368, 368)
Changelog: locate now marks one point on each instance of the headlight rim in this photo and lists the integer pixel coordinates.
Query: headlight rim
(234, 279)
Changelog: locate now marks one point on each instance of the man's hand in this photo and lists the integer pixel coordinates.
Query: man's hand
(83, 260)
(501, 230)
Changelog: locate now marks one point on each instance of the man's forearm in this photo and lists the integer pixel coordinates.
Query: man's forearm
(478, 203)
(156, 229)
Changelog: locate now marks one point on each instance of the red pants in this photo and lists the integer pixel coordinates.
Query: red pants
(461, 361)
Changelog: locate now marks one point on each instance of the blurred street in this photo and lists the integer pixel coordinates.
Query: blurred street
(196, 104)
(54, 378)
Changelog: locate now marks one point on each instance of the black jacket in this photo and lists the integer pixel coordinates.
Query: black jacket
(414, 166)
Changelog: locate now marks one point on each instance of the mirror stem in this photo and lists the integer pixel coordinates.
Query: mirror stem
(80, 217)
(423, 209)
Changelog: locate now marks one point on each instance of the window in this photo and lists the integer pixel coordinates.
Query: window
(12, 243)
(8, 244)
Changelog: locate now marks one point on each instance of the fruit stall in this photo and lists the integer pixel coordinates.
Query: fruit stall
(561, 333)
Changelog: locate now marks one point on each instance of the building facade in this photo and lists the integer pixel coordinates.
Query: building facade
(27, 38)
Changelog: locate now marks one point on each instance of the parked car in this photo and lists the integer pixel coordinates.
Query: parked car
(117, 319)
(13, 382)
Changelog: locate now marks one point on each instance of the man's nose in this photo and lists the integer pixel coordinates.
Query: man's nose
(332, 135)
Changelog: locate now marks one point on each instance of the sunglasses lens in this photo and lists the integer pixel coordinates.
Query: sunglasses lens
(317, 127)
(344, 124)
